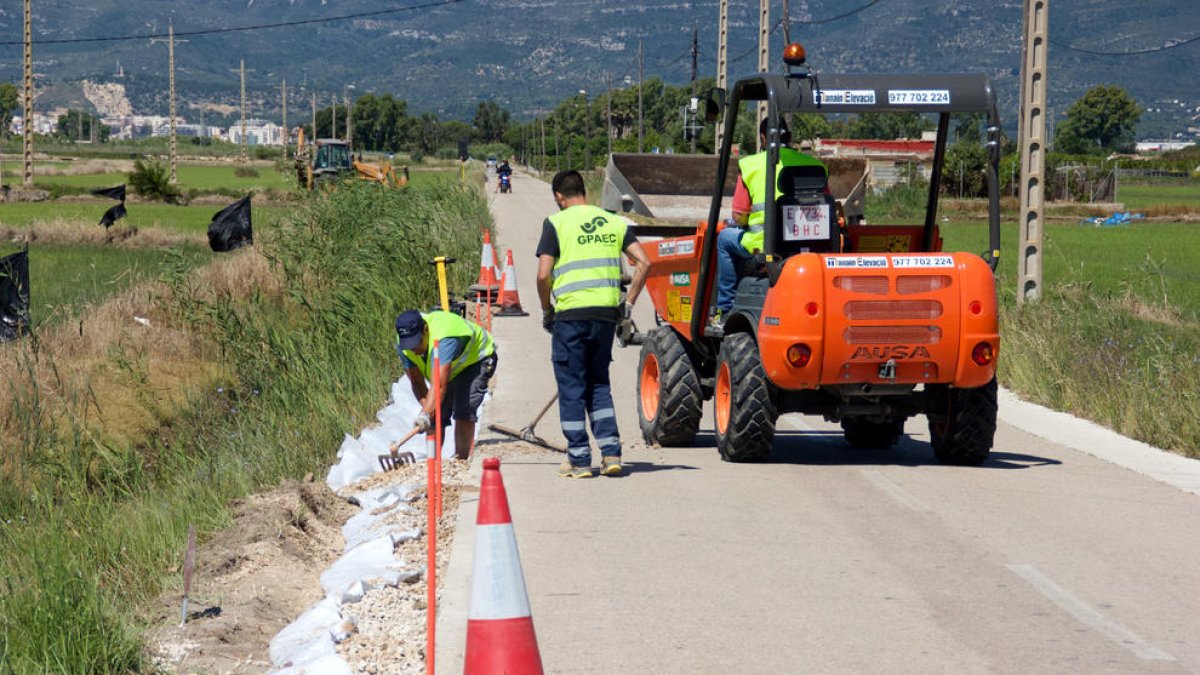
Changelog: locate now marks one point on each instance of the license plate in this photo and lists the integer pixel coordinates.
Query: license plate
(806, 222)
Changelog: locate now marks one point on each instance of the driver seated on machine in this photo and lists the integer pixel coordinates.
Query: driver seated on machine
(743, 236)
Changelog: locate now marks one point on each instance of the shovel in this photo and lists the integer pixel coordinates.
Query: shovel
(526, 434)
(394, 460)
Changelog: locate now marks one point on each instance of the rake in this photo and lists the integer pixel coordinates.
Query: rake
(394, 460)
(526, 434)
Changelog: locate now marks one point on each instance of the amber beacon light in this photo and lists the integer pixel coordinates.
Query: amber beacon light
(793, 54)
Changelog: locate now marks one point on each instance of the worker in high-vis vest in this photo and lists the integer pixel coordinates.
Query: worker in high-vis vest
(466, 358)
(579, 285)
(744, 237)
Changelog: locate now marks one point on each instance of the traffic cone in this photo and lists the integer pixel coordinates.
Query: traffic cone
(487, 286)
(510, 299)
(500, 635)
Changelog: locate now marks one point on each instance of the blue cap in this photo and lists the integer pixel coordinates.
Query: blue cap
(410, 327)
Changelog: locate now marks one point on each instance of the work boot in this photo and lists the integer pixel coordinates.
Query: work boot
(567, 470)
(611, 466)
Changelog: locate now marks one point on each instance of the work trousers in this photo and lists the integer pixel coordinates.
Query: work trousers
(730, 256)
(581, 352)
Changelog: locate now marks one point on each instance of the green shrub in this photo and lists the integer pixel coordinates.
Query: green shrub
(152, 180)
(243, 171)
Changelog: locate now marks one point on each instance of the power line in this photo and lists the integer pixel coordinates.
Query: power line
(817, 22)
(1153, 50)
(214, 31)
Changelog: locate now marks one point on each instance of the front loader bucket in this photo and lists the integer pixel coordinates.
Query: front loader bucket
(679, 187)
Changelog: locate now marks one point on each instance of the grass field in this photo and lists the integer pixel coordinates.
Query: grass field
(1154, 261)
(66, 280)
(201, 177)
(1183, 193)
(190, 219)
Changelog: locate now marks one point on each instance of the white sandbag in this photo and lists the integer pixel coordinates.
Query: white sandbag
(308, 637)
(369, 561)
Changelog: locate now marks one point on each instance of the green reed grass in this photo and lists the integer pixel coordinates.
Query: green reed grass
(90, 527)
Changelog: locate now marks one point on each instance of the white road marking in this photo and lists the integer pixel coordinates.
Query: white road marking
(895, 491)
(1088, 616)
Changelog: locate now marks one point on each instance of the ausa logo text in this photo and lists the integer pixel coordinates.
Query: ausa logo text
(589, 235)
(898, 352)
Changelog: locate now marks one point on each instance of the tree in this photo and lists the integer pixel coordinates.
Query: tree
(490, 122)
(1103, 120)
(8, 104)
(77, 125)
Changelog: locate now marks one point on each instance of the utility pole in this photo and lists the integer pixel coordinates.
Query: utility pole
(787, 24)
(691, 117)
(171, 80)
(349, 117)
(286, 135)
(1033, 150)
(333, 120)
(764, 45)
(608, 108)
(587, 130)
(722, 66)
(641, 69)
(27, 127)
(242, 70)
(314, 115)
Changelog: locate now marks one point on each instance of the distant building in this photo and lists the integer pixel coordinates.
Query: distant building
(1162, 146)
(887, 161)
(258, 132)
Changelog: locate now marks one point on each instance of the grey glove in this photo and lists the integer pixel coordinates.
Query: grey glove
(423, 422)
(548, 320)
(626, 311)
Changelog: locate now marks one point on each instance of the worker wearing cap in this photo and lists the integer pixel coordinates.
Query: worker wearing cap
(466, 360)
(579, 284)
(736, 244)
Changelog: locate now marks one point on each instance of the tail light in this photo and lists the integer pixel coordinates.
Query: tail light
(982, 354)
(799, 355)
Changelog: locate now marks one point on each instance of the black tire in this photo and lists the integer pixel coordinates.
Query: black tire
(963, 427)
(862, 433)
(669, 397)
(746, 430)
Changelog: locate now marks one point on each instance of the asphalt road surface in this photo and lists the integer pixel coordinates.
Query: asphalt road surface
(827, 559)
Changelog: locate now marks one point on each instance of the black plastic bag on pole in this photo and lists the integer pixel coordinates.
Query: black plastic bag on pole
(14, 296)
(113, 215)
(117, 192)
(230, 228)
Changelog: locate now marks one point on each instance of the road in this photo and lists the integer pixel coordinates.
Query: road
(824, 558)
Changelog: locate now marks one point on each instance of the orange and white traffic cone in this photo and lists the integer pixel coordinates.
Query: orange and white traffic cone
(500, 635)
(487, 286)
(510, 299)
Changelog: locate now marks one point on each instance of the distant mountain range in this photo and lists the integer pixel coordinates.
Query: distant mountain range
(527, 55)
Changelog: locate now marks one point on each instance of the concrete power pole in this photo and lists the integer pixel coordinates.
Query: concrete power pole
(286, 136)
(608, 108)
(314, 113)
(764, 46)
(722, 66)
(1033, 150)
(333, 120)
(641, 73)
(28, 112)
(695, 128)
(243, 76)
(787, 24)
(171, 80)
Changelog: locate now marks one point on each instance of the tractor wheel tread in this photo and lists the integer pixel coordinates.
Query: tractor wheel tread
(751, 430)
(964, 432)
(680, 403)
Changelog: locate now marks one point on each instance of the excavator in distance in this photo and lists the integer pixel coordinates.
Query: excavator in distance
(328, 160)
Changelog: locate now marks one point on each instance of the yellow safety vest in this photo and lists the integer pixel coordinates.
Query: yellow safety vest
(588, 270)
(449, 325)
(753, 169)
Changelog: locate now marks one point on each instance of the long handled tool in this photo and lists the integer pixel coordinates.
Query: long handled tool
(394, 460)
(526, 434)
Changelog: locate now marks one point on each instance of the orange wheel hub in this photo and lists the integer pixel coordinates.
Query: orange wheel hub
(649, 387)
(724, 397)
